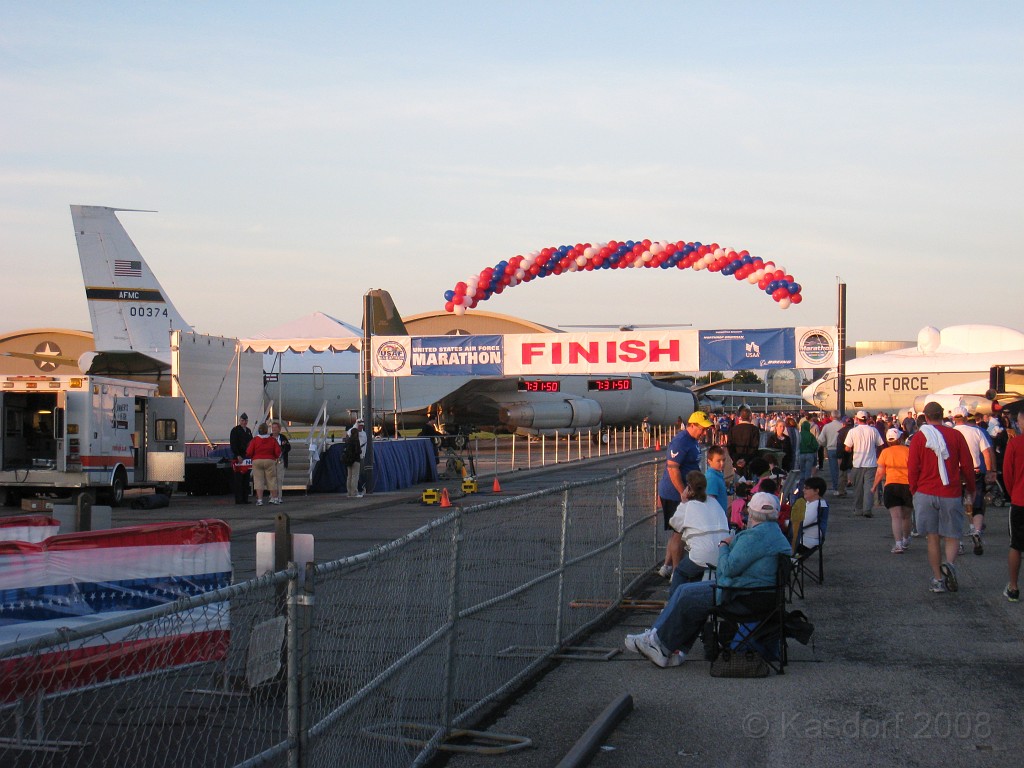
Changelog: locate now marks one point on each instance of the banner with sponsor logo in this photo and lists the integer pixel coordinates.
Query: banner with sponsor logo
(750, 349)
(616, 352)
(816, 346)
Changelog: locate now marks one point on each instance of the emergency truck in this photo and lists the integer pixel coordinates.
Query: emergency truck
(87, 434)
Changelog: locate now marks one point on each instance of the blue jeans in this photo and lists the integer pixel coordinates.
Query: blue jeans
(685, 572)
(833, 470)
(685, 614)
(805, 463)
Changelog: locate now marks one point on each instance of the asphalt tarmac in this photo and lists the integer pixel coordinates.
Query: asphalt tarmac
(895, 675)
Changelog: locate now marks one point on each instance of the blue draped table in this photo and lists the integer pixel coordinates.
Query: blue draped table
(396, 464)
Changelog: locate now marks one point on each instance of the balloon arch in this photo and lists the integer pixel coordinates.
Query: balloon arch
(629, 254)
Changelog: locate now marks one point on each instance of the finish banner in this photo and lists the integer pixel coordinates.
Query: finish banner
(610, 352)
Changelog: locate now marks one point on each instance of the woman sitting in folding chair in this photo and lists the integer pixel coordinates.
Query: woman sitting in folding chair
(700, 521)
(747, 560)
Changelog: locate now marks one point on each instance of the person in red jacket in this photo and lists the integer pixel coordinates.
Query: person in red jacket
(264, 451)
(939, 467)
(1013, 478)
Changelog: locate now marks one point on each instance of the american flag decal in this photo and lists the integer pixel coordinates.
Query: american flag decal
(127, 268)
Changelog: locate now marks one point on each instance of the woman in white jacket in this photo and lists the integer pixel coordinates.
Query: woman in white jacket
(702, 524)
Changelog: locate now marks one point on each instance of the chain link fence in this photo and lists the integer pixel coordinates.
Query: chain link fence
(385, 658)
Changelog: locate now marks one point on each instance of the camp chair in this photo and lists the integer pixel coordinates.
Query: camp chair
(747, 626)
(803, 562)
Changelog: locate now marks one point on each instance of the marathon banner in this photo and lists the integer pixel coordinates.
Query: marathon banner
(609, 352)
(480, 355)
(75, 579)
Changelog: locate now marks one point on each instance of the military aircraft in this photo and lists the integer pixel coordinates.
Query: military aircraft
(951, 366)
(132, 317)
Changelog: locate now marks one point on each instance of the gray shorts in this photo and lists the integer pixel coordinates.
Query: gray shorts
(943, 515)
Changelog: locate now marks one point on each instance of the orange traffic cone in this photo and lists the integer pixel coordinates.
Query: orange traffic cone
(657, 446)
(445, 501)
(497, 485)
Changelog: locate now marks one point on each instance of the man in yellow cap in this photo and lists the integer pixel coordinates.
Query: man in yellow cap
(683, 456)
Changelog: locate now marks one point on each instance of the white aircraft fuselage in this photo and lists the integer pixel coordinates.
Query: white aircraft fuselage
(956, 364)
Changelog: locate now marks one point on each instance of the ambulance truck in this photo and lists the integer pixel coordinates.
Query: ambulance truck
(65, 435)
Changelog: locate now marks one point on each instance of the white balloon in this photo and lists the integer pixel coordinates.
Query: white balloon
(520, 274)
(752, 277)
(471, 289)
(784, 303)
(581, 261)
(459, 309)
(590, 252)
(657, 248)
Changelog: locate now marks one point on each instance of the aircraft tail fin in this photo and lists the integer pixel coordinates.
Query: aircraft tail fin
(386, 320)
(128, 308)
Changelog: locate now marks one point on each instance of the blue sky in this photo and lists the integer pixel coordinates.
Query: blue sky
(301, 155)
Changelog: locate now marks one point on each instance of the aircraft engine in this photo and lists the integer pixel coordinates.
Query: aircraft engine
(577, 413)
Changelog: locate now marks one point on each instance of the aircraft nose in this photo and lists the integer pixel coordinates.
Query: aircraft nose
(811, 393)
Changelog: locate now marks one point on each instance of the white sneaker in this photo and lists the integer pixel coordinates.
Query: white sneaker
(650, 646)
(665, 571)
(259, 502)
(275, 501)
(632, 639)
(906, 543)
(359, 495)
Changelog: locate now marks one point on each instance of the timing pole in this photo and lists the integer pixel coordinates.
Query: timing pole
(367, 394)
(841, 343)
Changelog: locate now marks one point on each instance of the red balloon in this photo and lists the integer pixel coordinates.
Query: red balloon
(763, 282)
(449, 306)
(780, 293)
(796, 298)
(788, 278)
(778, 275)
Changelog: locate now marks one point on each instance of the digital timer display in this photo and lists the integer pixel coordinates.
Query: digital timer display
(609, 385)
(539, 385)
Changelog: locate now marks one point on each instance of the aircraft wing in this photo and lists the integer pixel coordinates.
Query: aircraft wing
(749, 395)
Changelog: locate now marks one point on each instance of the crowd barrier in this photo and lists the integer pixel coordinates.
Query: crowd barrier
(382, 658)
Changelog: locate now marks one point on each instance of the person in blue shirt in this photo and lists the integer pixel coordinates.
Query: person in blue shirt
(715, 475)
(683, 455)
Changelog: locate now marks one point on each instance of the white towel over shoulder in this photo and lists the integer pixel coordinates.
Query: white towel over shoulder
(935, 442)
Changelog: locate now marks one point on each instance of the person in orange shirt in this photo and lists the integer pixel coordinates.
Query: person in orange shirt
(892, 470)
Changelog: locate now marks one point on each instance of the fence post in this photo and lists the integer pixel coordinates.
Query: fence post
(513, 466)
(561, 567)
(293, 665)
(620, 514)
(453, 620)
(307, 604)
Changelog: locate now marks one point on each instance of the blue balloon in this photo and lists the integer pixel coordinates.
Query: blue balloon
(794, 288)
(449, 295)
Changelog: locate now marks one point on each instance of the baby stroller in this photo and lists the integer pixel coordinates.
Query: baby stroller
(995, 494)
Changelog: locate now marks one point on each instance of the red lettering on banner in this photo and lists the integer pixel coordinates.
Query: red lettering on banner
(532, 350)
(590, 353)
(632, 351)
(657, 351)
(611, 349)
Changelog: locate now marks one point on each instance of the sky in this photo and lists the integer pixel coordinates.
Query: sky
(300, 154)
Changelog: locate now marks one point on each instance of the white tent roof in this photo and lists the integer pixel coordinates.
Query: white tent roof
(318, 332)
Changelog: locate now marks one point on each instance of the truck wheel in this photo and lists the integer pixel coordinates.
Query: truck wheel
(115, 496)
(167, 489)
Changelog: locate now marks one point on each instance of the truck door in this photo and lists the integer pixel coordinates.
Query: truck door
(162, 447)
